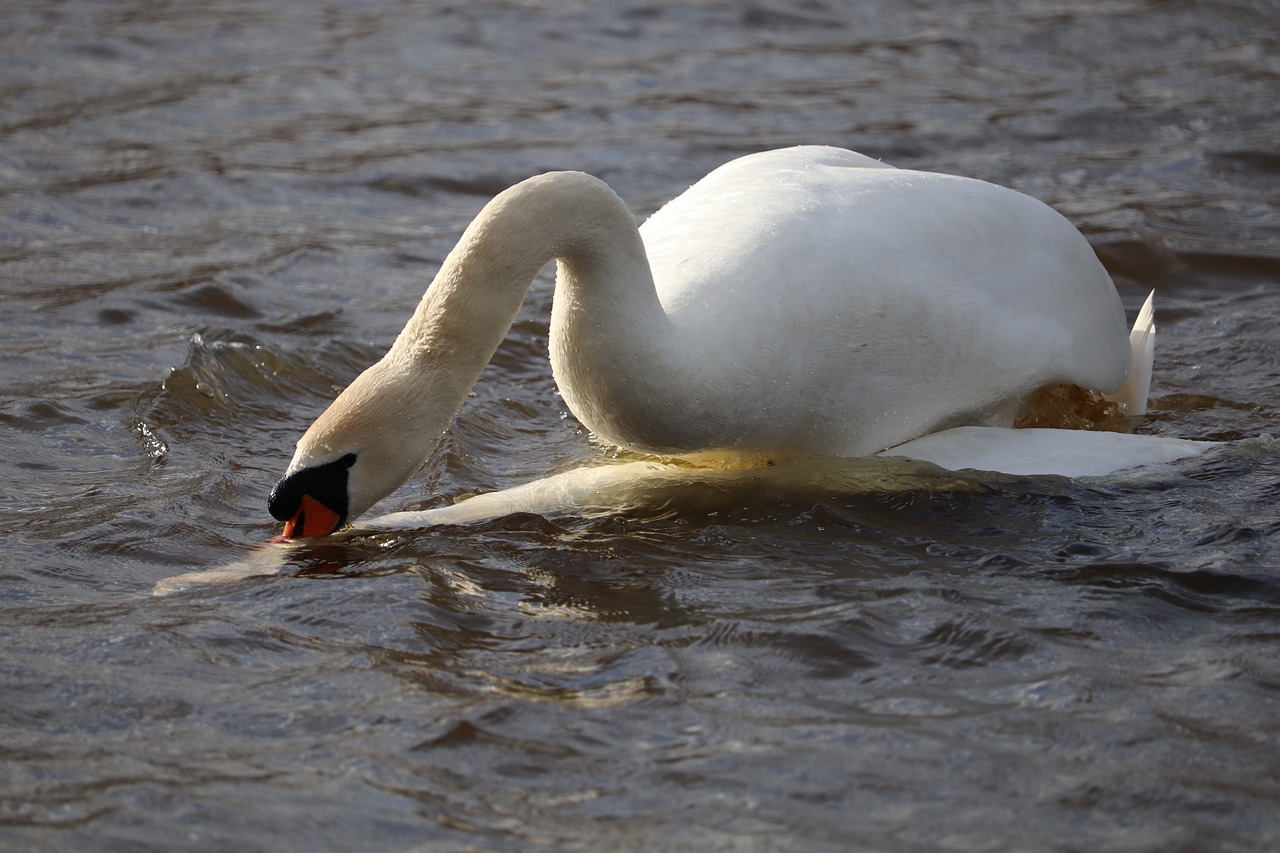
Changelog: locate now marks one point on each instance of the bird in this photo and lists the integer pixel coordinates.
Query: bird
(796, 303)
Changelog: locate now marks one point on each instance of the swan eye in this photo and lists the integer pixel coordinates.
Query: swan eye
(325, 483)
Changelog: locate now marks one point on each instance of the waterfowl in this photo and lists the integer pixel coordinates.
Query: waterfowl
(802, 302)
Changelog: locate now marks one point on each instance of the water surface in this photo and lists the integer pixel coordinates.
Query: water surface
(214, 215)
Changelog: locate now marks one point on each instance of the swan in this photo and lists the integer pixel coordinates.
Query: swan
(796, 303)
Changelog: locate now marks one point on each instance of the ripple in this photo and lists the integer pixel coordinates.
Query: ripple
(256, 195)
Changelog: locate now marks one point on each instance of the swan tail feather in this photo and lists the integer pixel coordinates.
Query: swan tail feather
(1132, 396)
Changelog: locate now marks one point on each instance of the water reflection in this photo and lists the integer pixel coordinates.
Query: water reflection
(212, 217)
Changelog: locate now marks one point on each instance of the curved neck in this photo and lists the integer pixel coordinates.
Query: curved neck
(470, 306)
(392, 416)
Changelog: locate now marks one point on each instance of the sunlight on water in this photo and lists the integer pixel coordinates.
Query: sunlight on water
(213, 217)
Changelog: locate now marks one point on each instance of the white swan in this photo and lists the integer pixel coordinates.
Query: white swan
(807, 301)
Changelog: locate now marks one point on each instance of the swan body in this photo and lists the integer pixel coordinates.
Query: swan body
(802, 302)
(816, 301)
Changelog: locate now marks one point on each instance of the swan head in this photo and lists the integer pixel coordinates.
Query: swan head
(313, 501)
(370, 440)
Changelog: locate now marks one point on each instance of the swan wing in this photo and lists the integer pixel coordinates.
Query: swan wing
(1028, 452)
(852, 306)
(1142, 347)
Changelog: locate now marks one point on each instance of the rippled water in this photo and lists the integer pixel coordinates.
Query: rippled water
(215, 214)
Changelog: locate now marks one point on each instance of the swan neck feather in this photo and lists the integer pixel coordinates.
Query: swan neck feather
(468, 309)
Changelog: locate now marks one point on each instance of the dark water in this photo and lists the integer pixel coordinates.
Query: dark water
(214, 214)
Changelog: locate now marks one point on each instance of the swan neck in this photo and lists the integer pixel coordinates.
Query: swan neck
(475, 297)
(471, 304)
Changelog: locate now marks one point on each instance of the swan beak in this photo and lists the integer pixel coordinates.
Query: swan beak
(312, 519)
(312, 501)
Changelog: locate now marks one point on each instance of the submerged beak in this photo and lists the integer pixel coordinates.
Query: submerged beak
(312, 519)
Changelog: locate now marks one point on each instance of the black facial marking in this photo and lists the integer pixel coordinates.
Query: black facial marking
(326, 483)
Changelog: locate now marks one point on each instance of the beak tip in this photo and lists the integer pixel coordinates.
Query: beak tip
(312, 519)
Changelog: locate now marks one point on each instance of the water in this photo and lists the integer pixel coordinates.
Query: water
(215, 214)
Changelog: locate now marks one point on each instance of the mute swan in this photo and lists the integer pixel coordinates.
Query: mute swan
(808, 301)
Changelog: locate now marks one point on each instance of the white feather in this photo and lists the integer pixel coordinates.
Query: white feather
(794, 303)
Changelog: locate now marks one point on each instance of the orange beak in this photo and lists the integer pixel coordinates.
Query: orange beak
(312, 519)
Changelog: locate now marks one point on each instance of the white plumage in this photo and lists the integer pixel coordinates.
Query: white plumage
(794, 303)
